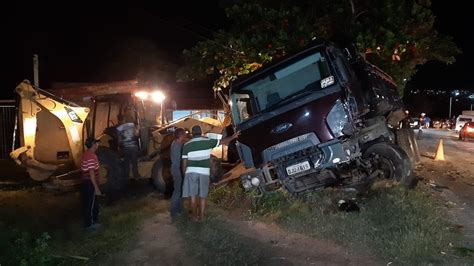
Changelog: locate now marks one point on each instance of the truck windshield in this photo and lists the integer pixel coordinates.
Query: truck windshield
(280, 86)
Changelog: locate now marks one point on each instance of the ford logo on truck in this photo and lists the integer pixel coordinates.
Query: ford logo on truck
(281, 128)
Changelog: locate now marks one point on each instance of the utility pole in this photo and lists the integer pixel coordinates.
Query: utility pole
(455, 93)
(450, 105)
(35, 70)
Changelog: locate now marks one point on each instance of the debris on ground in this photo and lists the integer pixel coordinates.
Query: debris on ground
(437, 187)
(348, 205)
(430, 155)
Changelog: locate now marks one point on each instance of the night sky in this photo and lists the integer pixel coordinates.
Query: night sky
(455, 20)
(77, 42)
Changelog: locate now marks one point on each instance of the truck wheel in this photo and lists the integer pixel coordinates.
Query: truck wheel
(406, 140)
(392, 161)
(161, 177)
(110, 160)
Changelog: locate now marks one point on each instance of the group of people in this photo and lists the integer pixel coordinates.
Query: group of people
(190, 169)
(128, 145)
(192, 159)
(424, 121)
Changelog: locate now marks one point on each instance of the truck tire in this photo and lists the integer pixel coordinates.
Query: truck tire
(392, 161)
(406, 140)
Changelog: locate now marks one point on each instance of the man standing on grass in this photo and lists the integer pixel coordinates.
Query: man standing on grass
(90, 185)
(196, 166)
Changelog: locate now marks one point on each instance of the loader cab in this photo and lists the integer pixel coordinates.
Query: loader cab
(108, 112)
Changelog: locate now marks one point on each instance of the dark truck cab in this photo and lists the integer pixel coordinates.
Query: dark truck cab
(317, 118)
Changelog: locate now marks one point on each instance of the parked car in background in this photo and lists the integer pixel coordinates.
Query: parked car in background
(441, 123)
(467, 131)
(415, 122)
(447, 124)
(461, 120)
(437, 123)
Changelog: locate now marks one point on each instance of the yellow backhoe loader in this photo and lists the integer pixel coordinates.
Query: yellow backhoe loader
(52, 132)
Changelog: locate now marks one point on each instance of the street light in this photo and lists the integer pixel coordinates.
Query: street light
(472, 98)
(158, 97)
(456, 93)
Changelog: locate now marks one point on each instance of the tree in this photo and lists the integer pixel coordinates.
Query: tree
(400, 33)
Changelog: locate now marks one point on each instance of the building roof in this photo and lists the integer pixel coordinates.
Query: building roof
(184, 96)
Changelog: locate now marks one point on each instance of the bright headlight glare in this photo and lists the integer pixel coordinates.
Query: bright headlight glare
(157, 96)
(142, 95)
(255, 181)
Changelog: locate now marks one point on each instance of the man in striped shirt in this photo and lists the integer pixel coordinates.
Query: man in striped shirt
(196, 166)
(90, 184)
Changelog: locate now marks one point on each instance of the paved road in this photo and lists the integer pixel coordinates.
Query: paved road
(452, 146)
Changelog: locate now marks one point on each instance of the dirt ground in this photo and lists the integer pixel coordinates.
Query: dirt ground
(448, 184)
(451, 180)
(295, 248)
(159, 243)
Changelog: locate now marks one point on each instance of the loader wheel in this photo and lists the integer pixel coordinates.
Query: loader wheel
(392, 161)
(161, 179)
(110, 160)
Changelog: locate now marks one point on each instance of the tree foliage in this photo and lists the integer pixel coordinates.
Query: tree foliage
(396, 35)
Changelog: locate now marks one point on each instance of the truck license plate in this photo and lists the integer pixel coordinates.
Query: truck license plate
(297, 168)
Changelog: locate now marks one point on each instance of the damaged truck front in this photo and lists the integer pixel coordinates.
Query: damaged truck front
(318, 118)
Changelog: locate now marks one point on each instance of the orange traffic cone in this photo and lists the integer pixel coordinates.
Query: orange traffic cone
(440, 151)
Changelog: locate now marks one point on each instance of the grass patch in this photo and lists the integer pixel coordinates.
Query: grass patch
(121, 223)
(25, 244)
(213, 243)
(20, 248)
(229, 196)
(407, 227)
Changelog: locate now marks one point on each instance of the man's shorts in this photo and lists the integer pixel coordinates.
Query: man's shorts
(195, 185)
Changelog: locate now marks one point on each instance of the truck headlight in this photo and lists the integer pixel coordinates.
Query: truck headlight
(255, 181)
(247, 184)
(337, 119)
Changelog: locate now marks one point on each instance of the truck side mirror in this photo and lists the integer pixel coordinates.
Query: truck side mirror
(342, 69)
